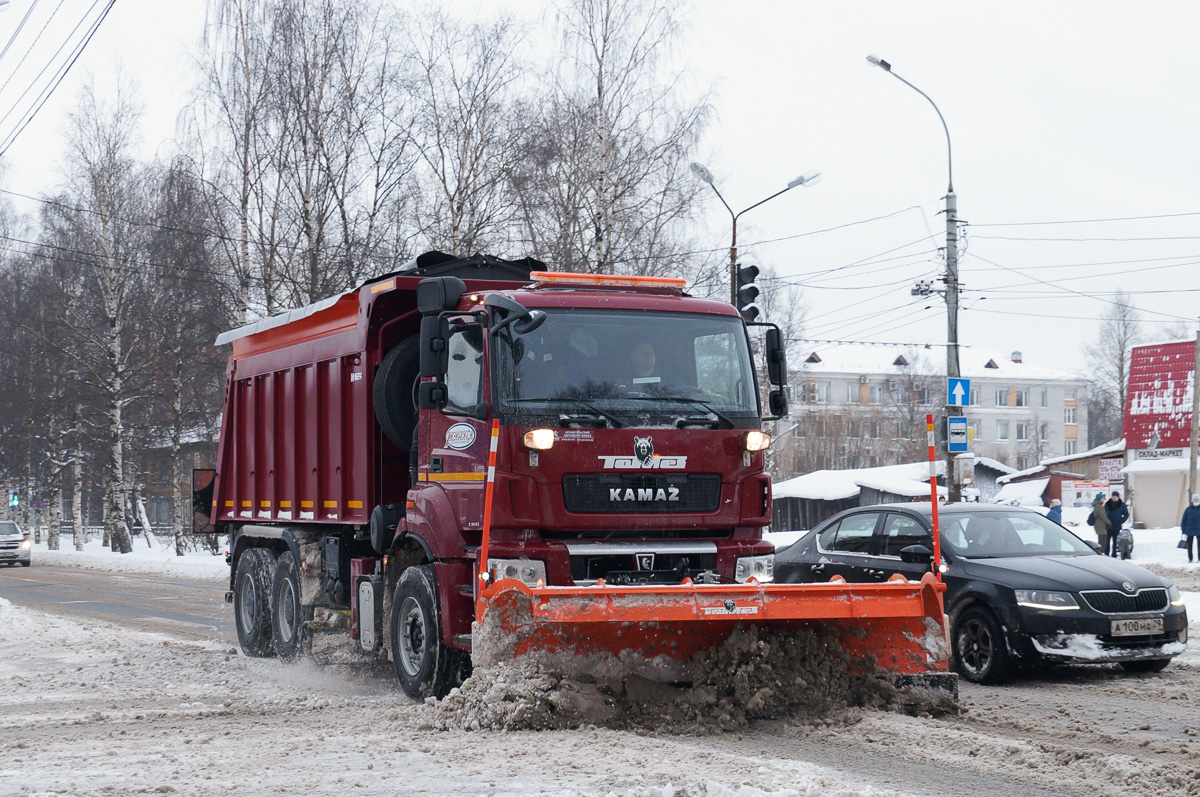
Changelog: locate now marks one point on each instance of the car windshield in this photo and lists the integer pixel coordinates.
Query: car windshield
(998, 534)
(8, 528)
(618, 367)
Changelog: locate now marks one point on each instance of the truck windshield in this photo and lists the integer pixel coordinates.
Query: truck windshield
(643, 368)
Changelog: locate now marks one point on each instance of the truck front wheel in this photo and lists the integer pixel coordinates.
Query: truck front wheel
(424, 666)
(252, 601)
(287, 617)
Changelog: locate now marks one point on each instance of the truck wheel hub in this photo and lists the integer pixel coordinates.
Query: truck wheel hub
(412, 636)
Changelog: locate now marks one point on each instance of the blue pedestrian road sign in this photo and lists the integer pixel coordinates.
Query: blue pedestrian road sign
(958, 392)
(956, 435)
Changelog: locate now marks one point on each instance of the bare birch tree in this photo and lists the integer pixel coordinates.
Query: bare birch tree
(1108, 363)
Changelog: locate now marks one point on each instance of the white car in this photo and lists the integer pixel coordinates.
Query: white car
(14, 544)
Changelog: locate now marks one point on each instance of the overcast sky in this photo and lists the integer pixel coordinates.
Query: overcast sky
(1057, 112)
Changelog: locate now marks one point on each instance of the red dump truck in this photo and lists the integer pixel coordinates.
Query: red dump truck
(582, 454)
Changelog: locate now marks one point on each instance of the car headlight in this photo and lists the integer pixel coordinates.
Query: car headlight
(26, 544)
(1045, 599)
(762, 568)
(1174, 595)
(528, 571)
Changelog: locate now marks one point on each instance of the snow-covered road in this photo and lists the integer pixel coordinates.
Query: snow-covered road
(97, 707)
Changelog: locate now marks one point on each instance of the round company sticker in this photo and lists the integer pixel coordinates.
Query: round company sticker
(460, 436)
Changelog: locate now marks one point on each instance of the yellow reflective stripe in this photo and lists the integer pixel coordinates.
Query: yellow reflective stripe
(452, 477)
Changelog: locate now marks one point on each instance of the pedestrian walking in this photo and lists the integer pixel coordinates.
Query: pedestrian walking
(1117, 513)
(1190, 525)
(1055, 512)
(1098, 520)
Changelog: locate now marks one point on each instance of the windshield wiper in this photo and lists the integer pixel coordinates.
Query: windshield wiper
(612, 419)
(685, 400)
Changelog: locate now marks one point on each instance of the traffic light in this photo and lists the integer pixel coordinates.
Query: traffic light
(15, 500)
(747, 292)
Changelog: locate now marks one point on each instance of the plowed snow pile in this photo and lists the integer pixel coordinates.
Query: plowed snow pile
(754, 675)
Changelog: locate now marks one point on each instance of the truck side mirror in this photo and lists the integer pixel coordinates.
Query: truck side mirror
(777, 403)
(434, 334)
(431, 395)
(776, 357)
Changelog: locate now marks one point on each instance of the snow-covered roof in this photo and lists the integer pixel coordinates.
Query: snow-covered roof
(994, 464)
(1011, 477)
(831, 485)
(1164, 465)
(1022, 493)
(1112, 447)
(973, 362)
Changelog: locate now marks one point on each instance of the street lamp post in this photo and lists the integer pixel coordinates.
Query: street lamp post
(807, 179)
(951, 279)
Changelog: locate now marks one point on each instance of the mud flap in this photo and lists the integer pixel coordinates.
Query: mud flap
(895, 626)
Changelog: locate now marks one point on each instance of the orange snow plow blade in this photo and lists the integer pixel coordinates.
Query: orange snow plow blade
(898, 623)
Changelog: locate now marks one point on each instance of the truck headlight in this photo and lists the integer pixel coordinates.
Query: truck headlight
(757, 441)
(26, 544)
(761, 568)
(1045, 599)
(1174, 595)
(528, 571)
(539, 439)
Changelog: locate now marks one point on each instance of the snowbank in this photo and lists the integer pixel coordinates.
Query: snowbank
(160, 559)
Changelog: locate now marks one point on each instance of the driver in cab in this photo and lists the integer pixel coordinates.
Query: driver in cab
(643, 363)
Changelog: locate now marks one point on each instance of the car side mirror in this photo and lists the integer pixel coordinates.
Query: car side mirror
(916, 555)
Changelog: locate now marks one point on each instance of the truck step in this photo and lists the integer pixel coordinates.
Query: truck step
(462, 639)
(463, 589)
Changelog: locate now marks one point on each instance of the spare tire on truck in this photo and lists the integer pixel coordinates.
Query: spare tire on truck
(394, 395)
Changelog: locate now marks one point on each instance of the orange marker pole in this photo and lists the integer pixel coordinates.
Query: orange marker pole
(933, 497)
(487, 518)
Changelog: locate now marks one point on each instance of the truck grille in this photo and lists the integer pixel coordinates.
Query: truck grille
(1111, 601)
(628, 493)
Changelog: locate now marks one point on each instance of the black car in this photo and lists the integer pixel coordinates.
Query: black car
(1019, 588)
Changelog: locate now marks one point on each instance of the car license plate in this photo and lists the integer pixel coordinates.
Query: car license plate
(1143, 626)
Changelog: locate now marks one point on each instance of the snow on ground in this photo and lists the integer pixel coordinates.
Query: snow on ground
(157, 558)
(100, 709)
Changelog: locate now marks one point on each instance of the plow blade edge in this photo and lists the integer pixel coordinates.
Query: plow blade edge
(898, 623)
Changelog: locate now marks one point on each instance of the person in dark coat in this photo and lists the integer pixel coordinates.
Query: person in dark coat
(1055, 512)
(1098, 519)
(1190, 525)
(1117, 513)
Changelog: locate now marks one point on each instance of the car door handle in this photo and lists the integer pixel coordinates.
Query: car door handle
(877, 573)
(818, 568)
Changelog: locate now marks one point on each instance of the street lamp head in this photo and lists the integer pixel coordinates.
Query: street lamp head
(811, 177)
(875, 60)
(700, 171)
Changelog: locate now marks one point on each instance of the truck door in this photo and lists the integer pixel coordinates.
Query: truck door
(458, 436)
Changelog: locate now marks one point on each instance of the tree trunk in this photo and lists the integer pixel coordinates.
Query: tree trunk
(77, 482)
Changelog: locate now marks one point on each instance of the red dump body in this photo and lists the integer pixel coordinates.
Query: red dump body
(299, 441)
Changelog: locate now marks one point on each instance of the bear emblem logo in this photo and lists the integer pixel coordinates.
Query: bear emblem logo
(643, 449)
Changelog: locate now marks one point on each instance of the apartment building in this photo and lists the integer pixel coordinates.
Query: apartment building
(864, 406)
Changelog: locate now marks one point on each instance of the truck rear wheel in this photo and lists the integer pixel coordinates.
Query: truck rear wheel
(394, 393)
(424, 666)
(287, 610)
(252, 601)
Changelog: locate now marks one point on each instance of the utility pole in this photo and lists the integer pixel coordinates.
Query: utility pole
(951, 279)
(1195, 417)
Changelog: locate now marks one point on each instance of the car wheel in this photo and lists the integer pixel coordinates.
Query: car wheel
(26, 564)
(1147, 665)
(980, 651)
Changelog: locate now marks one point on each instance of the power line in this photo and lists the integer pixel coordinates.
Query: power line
(1084, 221)
(32, 44)
(1089, 240)
(61, 75)
(20, 27)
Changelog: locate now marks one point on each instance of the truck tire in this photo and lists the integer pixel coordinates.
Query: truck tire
(394, 394)
(287, 609)
(979, 648)
(252, 601)
(424, 666)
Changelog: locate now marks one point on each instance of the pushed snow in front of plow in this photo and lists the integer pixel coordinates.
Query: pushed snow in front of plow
(699, 658)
